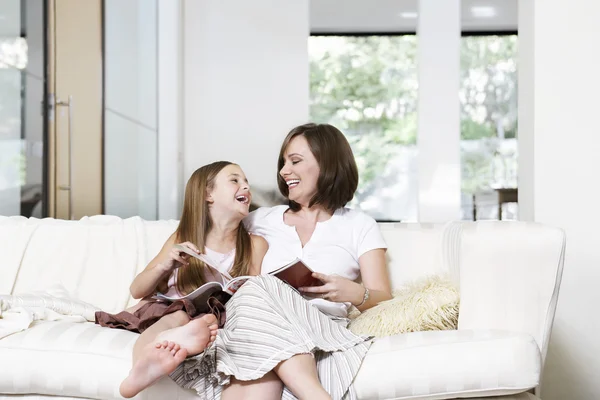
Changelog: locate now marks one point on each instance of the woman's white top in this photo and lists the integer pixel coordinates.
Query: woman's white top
(334, 247)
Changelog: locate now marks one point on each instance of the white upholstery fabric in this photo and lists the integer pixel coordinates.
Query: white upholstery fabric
(73, 359)
(510, 277)
(520, 396)
(509, 274)
(416, 250)
(95, 258)
(15, 233)
(443, 364)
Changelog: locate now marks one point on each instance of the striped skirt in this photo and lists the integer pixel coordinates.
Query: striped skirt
(269, 322)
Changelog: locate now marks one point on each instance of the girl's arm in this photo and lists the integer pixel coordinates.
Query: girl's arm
(158, 270)
(259, 249)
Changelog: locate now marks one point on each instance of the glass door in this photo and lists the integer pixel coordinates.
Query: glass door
(23, 148)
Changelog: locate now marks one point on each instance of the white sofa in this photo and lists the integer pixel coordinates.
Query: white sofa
(509, 275)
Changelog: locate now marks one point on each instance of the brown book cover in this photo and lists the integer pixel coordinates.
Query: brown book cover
(296, 274)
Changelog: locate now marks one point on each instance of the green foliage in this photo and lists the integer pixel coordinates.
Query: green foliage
(368, 87)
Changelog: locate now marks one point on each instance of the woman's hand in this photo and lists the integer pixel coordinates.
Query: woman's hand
(336, 288)
(176, 258)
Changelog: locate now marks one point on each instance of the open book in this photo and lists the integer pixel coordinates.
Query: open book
(296, 274)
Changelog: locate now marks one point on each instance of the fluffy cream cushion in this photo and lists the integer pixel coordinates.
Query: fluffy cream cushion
(427, 304)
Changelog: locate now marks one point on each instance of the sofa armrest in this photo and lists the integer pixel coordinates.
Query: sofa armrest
(510, 275)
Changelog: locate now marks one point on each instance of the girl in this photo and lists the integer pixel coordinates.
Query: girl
(217, 198)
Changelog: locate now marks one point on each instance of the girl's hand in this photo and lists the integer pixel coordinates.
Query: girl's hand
(177, 258)
(336, 288)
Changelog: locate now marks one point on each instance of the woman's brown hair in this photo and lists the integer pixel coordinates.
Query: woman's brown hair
(195, 224)
(338, 176)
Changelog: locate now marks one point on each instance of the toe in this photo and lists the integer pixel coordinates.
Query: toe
(210, 319)
(180, 355)
(170, 346)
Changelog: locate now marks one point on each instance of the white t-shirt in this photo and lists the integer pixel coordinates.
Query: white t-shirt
(334, 247)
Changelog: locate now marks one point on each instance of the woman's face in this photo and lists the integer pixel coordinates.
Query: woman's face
(300, 171)
(231, 192)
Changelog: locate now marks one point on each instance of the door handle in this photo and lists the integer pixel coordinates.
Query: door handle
(68, 187)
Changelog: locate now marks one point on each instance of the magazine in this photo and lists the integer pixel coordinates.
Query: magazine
(296, 274)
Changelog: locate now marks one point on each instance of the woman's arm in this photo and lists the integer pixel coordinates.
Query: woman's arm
(374, 277)
(158, 270)
(373, 270)
(259, 249)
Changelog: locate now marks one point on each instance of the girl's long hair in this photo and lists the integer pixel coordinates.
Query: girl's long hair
(195, 224)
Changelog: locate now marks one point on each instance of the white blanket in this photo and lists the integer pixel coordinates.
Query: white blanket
(19, 312)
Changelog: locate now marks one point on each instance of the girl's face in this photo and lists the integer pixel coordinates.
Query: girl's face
(300, 171)
(231, 192)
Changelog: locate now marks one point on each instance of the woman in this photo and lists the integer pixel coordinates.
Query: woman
(274, 340)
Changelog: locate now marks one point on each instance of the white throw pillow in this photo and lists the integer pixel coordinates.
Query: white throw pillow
(427, 304)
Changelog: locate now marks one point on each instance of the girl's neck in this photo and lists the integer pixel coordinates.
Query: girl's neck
(222, 236)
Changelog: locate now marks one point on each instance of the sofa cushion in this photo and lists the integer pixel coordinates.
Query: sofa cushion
(74, 359)
(448, 364)
(520, 396)
(85, 360)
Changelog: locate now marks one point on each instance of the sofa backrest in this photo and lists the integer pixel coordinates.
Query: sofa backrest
(96, 258)
(416, 250)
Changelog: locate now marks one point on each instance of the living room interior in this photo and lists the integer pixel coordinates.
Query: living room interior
(457, 111)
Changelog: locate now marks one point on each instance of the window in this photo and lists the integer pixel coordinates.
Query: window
(367, 86)
(13, 61)
(488, 98)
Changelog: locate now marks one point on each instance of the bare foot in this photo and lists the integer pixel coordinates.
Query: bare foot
(193, 336)
(156, 361)
(213, 327)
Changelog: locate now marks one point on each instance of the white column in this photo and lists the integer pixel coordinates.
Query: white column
(561, 144)
(526, 111)
(245, 82)
(170, 104)
(438, 138)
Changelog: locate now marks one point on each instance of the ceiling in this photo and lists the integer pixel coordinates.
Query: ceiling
(350, 16)
(355, 16)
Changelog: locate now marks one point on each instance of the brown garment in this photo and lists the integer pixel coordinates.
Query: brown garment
(149, 313)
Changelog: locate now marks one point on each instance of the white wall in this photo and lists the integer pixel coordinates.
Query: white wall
(245, 82)
(563, 142)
